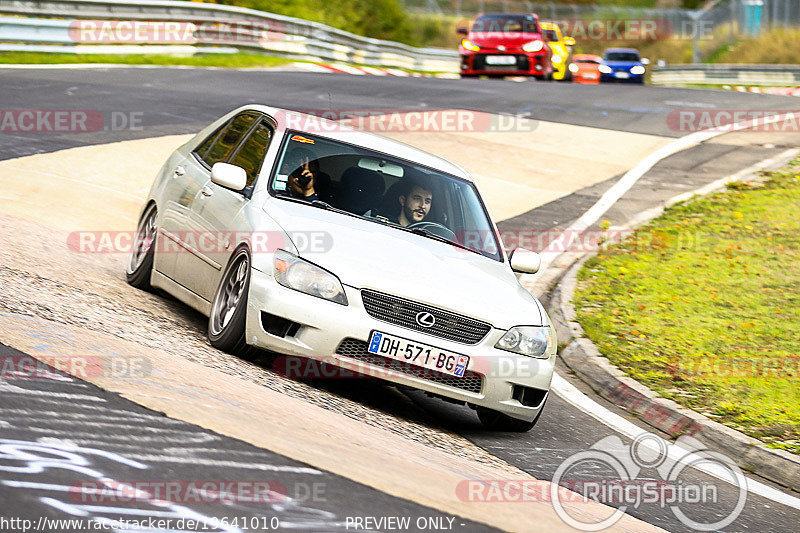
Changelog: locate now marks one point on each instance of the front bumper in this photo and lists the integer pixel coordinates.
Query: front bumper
(513, 384)
(621, 76)
(526, 64)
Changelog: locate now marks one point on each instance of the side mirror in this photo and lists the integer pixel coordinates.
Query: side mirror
(229, 176)
(569, 41)
(525, 261)
(461, 30)
(645, 61)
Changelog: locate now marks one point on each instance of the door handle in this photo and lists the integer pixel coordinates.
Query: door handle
(206, 192)
(179, 171)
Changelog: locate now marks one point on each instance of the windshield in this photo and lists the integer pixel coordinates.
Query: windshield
(384, 190)
(586, 61)
(621, 56)
(550, 35)
(505, 24)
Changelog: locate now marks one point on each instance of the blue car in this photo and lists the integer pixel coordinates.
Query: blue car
(622, 65)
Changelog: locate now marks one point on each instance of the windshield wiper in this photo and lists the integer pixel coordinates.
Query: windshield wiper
(430, 235)
(322, 205)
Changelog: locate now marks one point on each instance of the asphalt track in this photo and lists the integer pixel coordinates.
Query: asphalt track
(122, 459)
(181, 101)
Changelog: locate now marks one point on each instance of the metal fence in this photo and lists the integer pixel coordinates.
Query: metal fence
(51, 25)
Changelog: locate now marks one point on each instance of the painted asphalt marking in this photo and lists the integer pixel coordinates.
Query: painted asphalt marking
(615, 422)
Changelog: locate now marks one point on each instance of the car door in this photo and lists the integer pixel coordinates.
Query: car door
(215, 213)
(195, 262)
(180, 191)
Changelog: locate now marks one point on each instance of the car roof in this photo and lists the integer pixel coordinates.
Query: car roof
(371, 141)
(586, 56)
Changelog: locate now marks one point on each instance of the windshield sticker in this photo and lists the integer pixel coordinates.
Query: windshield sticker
(301, 139)
(280, 182)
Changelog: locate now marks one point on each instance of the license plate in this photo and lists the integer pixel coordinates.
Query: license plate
(590, 76)
(418, 354)
(501, 60)
(621, 74)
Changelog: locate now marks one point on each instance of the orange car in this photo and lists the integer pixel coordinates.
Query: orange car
(584, 68)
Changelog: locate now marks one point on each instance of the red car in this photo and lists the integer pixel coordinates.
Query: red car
(505, 44)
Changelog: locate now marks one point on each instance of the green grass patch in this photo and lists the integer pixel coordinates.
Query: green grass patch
(239, 60)
(703, 306)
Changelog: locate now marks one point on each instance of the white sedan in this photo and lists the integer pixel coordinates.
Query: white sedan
(322, 243)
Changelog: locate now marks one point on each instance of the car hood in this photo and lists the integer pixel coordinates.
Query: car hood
(509, 40)
(365, 254)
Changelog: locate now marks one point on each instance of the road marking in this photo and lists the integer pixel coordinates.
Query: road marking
(629, 179)
(568, 392)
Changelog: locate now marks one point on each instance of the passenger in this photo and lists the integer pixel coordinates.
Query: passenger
(304, 169)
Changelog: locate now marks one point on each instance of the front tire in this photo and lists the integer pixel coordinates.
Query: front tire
(226, 323)
(140, 262)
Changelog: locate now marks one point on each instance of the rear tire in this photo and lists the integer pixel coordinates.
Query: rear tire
(140, 262)
(226, 323)
(497, 421)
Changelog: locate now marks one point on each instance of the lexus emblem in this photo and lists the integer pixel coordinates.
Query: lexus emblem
(501, 48)
(425, 319)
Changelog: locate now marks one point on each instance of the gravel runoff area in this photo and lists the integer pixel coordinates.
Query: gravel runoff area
(40, 276)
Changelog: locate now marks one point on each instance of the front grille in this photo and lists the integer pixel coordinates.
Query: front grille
(356, 349)
(479, 63)
(403, 313)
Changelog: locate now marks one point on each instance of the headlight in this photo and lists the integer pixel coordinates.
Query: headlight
(638, 69)
(533, 46)
(469, 45)
(533, 341)
(295, 273)
(605, 69)
(556, 59)
(573, 68)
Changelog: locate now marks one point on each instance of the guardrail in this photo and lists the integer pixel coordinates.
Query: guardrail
(246, 29)
(772, 75)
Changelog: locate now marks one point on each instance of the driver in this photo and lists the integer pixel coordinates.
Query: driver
(415, 205)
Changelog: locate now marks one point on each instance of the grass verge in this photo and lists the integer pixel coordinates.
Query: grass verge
(702, 305)
(239, 60)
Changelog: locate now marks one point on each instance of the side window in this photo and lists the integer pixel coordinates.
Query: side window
(251, 155)
(203, 148)
(227, 141)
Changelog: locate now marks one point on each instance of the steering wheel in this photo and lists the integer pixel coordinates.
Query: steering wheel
(435, 228)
